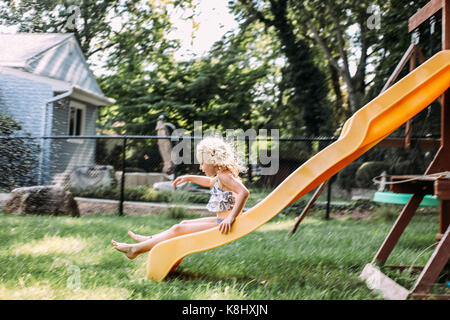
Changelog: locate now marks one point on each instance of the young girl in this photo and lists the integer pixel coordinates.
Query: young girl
(218, 160)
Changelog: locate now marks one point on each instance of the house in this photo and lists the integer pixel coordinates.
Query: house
(47, 86)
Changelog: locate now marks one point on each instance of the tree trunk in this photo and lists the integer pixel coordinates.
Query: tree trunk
(356, 92)
(335, 83)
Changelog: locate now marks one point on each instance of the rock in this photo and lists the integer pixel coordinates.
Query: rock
(165, 185)
(187, 186)
(43, 200)
(133, 179)
(88, 177)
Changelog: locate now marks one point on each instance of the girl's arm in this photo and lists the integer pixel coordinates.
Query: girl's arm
(242, 195)
(201, 180)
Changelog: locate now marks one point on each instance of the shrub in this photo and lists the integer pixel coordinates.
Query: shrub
(386, 213)
(201, 197)
(406, 167)
(346, 178)
(153, 195)
(139, 193)
(146, 156)
(18, 157)
(176, 212)
(135, 193)
(296, 208)
(113, 157)
(367, 171)
(143, 193)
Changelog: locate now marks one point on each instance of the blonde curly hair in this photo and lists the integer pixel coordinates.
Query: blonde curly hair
(220, 153)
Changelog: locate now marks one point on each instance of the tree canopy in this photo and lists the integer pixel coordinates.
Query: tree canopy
(300, 66)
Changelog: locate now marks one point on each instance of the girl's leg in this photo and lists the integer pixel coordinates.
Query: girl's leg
(133, 250)
(140, 238)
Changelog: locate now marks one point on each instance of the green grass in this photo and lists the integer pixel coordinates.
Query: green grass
(72, 258)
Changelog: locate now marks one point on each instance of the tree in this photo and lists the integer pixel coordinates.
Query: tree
(18, 156)
(343, 33)
(393, 43)
(97, 25)
(218, 90)
(329, 23)
(303, 81)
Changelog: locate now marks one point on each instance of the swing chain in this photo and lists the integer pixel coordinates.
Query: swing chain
(432, 24)
(415, 36)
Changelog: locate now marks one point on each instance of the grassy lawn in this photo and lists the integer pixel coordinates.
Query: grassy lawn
(72, 258)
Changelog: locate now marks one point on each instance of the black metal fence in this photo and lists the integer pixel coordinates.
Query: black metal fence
(93, 164)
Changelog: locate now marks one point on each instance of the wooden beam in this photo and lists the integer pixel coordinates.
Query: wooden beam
(434, 266)
(397, 229)
(399, 67)
(308, 206)
(422, 187)
(442, 189)
(445, 125)
(426, 143)
(446, 25)
(430, 296)
(444, 219)
(424, 14)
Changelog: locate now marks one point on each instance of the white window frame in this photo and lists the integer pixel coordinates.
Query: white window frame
(82, 107)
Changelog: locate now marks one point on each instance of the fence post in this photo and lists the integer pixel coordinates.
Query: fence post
(122, 182)
(247, 142)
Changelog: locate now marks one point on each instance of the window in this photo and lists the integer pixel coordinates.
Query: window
(76, 118)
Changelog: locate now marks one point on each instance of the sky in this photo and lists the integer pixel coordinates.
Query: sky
(214, 20)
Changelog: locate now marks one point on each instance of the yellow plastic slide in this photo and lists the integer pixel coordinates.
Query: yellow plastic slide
(363, 130)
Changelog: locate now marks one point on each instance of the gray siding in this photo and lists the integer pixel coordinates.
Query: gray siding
(67, 155)
(66, 62)
(24, 100)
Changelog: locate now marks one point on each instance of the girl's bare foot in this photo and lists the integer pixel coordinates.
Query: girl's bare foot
(138, 237)
(128, 249)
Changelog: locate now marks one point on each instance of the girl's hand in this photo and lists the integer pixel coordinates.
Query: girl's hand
(180, 180)
(225, 226)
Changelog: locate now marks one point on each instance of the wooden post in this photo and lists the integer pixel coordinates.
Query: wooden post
(399, 226)
(308, 206)
(248, 146)
(434, 266)
(408, 127)
(445, 126)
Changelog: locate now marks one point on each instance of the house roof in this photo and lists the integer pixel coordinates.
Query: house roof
(59, 86)
(21, 47)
